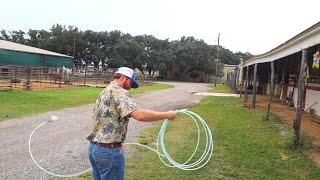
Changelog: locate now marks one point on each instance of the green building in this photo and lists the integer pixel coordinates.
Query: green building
(18, 54)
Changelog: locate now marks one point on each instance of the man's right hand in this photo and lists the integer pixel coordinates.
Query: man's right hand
(172, 115)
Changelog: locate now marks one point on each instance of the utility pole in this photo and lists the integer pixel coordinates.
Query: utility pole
(215, 81)
(74, 51)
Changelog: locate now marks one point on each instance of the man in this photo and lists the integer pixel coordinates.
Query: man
(111, 114)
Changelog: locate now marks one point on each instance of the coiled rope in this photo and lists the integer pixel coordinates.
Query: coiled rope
(161, 149)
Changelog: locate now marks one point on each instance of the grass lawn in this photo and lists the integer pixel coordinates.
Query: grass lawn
(18, 103)
(219, 88)
(245, 146)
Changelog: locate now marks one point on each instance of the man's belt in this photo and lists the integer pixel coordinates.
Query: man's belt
(110, 145)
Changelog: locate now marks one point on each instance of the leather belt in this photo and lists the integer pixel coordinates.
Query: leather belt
(110, 145)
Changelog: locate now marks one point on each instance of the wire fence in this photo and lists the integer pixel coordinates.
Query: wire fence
(29, 78)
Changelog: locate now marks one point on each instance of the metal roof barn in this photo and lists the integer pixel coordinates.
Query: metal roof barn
(14, 53)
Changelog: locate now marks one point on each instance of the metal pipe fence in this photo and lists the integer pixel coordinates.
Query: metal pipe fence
(27, 77)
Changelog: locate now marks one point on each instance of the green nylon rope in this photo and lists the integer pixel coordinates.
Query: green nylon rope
(161, 149)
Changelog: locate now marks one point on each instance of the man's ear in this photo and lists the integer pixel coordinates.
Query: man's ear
(123, 78)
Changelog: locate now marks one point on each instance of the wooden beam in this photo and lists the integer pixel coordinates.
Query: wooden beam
(271, 91)
(246, 87)
(254, 89)
(242, 81)
(283, 96)
(301, 89)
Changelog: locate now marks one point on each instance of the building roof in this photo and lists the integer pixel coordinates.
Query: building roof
(308, 38)
(229, 65)
(11, 46)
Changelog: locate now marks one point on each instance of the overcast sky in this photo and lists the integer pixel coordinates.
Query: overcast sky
(254, 26)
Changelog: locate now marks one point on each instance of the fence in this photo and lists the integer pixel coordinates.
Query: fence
(28, 78)
(5, 82)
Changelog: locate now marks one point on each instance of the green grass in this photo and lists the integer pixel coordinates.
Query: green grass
(246, 147)
(220, 88)
(17, 103)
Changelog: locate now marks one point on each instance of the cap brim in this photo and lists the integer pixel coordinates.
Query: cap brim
(134, 85)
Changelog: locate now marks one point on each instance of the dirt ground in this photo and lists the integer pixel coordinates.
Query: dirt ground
(310, 125)
(52, 84)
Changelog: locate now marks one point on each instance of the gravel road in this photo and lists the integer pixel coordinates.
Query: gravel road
(60, 146)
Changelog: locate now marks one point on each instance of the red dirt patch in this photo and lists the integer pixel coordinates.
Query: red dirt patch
(52, 84)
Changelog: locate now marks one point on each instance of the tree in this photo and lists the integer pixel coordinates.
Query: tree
(186, 57)
(33, 40)
(155, 55)
(191, 57)
(4, 35)
(18, 37)
(91, 51)
(226, 56)
(126, 53)
(44, 39)
(240, 56)
(62, 39)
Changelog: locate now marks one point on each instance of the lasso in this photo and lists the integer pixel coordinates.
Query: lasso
(161, 150)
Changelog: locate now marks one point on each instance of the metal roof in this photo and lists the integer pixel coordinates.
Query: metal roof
(308, 38)
(7, 45)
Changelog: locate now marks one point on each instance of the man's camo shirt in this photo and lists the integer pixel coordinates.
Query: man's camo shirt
(111, 115)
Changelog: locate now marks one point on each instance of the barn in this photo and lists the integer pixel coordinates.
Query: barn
(294, 63)
(18, 54)
(289, 73)
(21, 62)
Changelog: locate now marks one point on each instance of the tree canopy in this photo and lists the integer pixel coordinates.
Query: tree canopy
(113, 49)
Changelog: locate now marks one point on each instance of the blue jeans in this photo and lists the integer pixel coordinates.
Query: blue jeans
(107, 163)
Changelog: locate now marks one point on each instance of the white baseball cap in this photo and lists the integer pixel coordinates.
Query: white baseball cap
(130, 74)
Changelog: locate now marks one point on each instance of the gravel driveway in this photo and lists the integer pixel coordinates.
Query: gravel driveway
(61, 147)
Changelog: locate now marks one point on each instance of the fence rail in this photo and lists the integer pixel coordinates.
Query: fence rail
(28, 78)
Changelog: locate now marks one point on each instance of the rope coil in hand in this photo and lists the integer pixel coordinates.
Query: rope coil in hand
(161, 149)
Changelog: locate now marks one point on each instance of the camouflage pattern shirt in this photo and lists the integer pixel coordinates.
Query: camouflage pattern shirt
(111, 115)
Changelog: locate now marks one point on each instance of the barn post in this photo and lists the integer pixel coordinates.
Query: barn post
(271, 90)
(15, 74)
(301, 89)
(246, 88)
(283, 96)
(242, 81)
(254, 89)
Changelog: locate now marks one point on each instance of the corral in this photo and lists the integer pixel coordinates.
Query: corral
(25, 67)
